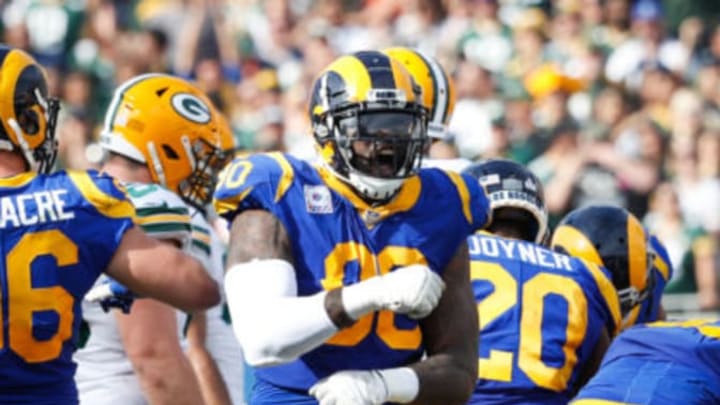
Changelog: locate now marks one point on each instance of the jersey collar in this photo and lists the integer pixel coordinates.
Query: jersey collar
(406, 198)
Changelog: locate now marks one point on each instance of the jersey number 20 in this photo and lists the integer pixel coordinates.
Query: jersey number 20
(499, 366)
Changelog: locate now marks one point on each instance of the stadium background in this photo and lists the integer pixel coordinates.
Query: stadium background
(607, 101)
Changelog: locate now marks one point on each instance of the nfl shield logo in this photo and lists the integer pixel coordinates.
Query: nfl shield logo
(318, 200)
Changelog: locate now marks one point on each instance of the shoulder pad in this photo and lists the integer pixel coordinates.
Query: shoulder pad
(257, 181)
(474, 204)
(105, 193)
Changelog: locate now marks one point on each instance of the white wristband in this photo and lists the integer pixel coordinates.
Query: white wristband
(402, 384)
(360, 298)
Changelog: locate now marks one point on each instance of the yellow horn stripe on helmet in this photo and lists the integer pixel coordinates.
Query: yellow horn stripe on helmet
(637, 253)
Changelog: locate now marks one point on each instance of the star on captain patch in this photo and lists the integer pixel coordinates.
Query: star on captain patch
(318, 200)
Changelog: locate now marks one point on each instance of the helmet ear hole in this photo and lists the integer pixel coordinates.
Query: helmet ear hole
(29, 121)
(170, 152)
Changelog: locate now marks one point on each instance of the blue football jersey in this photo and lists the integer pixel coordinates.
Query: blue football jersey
(679, 361)
(662, 272)
(338, 239)
(57, 233)
(541, 315)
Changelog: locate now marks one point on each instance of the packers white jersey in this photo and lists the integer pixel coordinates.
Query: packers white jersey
(105, 374)
(207, 247)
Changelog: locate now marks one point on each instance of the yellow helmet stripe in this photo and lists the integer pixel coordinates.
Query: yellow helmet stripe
(607, 290)
(13, 63)
(343, 67)
(440, 90)
(576, 244)
(637, 253)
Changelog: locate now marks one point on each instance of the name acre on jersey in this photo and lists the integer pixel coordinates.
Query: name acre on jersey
(35, 208)
(514, 249)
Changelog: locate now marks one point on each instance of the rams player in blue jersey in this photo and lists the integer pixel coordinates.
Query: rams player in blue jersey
(651, 309)
(614, 238)
(349, 277)
(659, 363)
(58, 232)
(545, 317)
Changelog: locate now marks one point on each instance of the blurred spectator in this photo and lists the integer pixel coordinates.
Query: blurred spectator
(475, 108)
(693, 253)
(487, 42)
(647, 46)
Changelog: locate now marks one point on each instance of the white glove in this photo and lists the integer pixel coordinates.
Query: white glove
(351, 388)
(413, 290)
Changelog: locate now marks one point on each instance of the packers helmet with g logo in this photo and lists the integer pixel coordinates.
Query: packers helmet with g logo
(27, 113)
(437, 86)
(369, 122)
(169, 125)
(614, 238)
(516, 196)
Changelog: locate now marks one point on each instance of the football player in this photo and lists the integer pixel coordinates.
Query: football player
(659, 363)
(345, 273)
(613, 238)
(544, 316)
(163, 135)
(58, 232)
(438, 97)
(651, 309)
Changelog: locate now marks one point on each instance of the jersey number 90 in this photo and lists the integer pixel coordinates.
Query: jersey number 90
(389, 257)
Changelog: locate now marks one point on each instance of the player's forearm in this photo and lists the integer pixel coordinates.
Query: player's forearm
(445, 379)
(167, 379)
(212, 386)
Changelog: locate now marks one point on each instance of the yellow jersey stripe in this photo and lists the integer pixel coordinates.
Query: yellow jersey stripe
(287, 174)
(225, 206)
(104, 203)
(163, 218)
(202, 237)
(464, 194)
(17, 180)
(662, 267)
(607, 289)
(597, 402)
(406, 198)
(703, 325)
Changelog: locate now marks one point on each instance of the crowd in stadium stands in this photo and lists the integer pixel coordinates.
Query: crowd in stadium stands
(606, 101)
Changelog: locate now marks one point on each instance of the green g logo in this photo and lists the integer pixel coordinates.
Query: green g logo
(191, 108)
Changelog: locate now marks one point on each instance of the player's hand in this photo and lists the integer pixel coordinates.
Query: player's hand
(413, 290)
(111, 294)
(351, 388)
